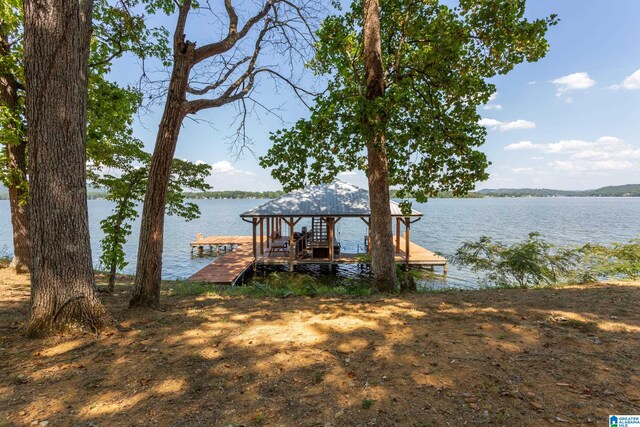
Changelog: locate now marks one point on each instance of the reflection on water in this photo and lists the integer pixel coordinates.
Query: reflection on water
(446, 225)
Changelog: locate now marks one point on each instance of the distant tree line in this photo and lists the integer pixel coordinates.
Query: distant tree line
(235, 195)
(628, 190)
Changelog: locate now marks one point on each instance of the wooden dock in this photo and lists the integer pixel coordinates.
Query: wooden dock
(230, 267)
(417, 256)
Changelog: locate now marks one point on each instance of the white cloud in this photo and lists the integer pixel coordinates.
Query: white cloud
(571, 82)
(522, 145)
(225, 168)
(200, 162)
(490, 106)
(523, 170)
(631, 82)
(493, 107)
(606, 153)
(348, 173)
(532, 82)
(506, 126)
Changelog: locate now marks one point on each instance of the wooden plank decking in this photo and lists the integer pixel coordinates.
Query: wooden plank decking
(228, 268)
(419, 255)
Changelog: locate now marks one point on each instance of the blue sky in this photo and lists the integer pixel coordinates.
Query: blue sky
(569, 121)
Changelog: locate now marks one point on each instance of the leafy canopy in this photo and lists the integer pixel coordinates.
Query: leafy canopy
(437, 60)
(117, 30)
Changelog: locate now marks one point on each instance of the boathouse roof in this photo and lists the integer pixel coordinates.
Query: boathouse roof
(337, 199)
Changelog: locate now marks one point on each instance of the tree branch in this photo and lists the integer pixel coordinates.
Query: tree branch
(220, 81)
(224, 45)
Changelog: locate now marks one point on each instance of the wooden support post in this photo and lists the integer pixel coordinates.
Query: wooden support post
(330, 237)
(255, 248)
(268, 232)
(262, 236)
(291, 248)
(397, 234)
(407, 236)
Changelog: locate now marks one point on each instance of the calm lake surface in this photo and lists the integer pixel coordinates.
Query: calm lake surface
(446, 225)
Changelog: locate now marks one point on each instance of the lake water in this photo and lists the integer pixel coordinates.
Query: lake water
(446, 225)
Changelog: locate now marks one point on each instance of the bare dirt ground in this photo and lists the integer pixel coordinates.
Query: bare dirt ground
(504, 357)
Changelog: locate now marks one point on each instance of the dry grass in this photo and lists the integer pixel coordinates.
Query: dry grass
(504, 357)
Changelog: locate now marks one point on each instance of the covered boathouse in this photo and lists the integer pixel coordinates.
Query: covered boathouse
(300, 228)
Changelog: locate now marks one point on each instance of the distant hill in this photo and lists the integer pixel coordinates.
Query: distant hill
(628, 190)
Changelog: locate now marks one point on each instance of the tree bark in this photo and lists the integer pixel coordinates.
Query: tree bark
(382, 249)
(16, 153)
(63, 291)
(146, 292)
(17, 156)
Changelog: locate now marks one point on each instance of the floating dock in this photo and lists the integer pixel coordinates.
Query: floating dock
(231, 266)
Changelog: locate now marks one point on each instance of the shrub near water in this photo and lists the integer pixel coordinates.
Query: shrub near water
(531, 262)
(618, 260)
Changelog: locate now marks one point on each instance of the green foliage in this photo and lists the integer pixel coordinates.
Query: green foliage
(127, 191)
(531, 262)
(618, 260)
(11, 117)
(186, 175)
(437, 60)
(117, 29)
(367, 403)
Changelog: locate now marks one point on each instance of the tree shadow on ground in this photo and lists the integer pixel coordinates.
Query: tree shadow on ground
(502, 357)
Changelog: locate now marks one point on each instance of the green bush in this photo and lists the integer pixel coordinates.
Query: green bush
(618, 260)
(531, 262)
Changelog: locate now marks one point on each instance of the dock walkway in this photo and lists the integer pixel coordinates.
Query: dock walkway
(228, 268)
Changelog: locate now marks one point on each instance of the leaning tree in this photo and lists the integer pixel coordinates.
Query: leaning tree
(417, 128)
(56, 64)
(265, 44)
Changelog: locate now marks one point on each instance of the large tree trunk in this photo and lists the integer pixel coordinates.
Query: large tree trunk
(382, 249)
(16, 152)
(63, 292)
(146, 292)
